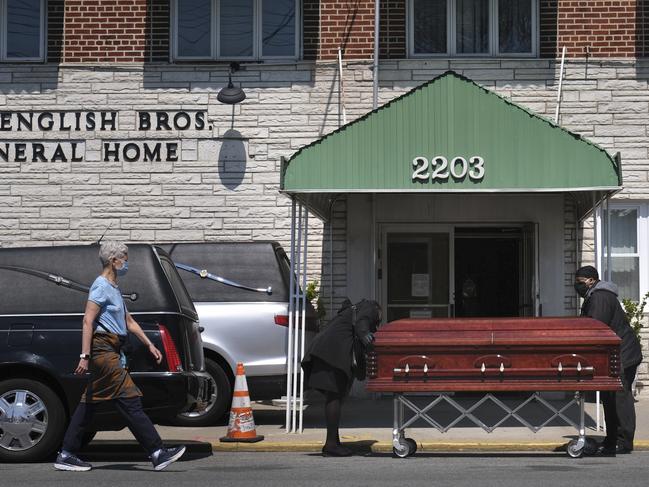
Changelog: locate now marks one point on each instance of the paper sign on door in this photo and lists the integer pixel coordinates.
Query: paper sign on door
(420, 284)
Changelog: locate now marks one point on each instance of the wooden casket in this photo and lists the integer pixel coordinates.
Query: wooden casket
(494, 354)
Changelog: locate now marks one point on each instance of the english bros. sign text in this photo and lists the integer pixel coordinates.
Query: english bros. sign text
(82, 125)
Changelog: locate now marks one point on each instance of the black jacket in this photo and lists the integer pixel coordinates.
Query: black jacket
(601, 303)
(334, 344)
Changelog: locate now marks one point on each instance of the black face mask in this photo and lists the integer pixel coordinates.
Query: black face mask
(581, 288)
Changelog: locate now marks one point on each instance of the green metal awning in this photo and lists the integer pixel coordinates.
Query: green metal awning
(448, 135)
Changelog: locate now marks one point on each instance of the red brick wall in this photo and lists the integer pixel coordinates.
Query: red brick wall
(608, 28)
(54, 30)
(392, 36)
(310, 28)
(138, 30)
(157, 31)
(105, 31)
(348, 24)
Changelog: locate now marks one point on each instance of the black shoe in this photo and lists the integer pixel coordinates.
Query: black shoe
(606, 451)
(166, 456)
(622, 450)
(71, 463)
(336, 451)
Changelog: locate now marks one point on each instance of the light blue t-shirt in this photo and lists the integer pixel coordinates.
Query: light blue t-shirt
(113, 310)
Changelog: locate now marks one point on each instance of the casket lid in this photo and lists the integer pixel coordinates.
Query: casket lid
(496, 331)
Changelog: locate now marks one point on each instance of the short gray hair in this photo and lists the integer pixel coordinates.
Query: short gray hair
(111, 249)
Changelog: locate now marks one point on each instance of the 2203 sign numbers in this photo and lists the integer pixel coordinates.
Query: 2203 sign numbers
(441, 170)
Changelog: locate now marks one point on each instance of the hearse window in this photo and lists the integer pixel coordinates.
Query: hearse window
(22, 30)
(235, 29)
(473, 27)
(177, 284)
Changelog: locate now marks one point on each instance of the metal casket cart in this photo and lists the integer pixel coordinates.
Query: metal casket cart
(439, 357)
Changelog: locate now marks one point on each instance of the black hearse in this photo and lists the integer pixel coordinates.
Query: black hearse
(43, 292)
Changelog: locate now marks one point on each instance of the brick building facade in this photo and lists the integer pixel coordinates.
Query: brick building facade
(218, 180)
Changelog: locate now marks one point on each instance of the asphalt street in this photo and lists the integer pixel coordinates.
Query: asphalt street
(281, 469)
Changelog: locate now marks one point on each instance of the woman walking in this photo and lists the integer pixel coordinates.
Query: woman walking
(335, 356)
(105, 325)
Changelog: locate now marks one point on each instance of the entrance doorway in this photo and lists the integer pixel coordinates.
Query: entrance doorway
(440, 271)
(494, 271)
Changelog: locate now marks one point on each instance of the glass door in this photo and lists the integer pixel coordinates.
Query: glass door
(415, 271)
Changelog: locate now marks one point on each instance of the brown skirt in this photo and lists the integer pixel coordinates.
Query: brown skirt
(108, 380)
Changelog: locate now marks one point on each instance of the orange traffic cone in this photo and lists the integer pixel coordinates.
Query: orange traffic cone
(242, 424)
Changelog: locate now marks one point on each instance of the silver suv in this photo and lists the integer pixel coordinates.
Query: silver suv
(240, 325)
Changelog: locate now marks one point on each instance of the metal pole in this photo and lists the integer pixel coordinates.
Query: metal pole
(296, 309)
(375, 261)
(331, 258)
(375, 85)
(563, 58)
(289, 348)
(597, 264)
(342, 85)
(608, 238)
(306, 240)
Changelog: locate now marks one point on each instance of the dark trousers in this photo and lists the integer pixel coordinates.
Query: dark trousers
(131, 409)
(619, 412)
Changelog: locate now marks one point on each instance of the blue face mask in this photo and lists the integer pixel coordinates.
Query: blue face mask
(123, 270)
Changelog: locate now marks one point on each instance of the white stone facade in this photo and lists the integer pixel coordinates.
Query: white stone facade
(231, 193)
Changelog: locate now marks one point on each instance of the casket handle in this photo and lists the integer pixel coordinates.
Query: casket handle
(501, 362)
(571, 360)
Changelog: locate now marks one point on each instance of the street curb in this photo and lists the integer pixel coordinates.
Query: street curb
(386, 447)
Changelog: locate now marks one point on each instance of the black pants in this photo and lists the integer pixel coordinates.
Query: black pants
(131, 409)
(619, 412)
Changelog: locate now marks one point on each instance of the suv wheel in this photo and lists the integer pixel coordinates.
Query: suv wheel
(32, 420)
(219, 402)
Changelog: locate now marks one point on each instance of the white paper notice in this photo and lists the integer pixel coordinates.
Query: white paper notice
(420, 285)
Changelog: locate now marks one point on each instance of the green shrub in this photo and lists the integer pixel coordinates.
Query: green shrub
(635, 312)
(313, 295)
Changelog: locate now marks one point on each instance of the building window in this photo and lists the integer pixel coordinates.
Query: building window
(22, 30)
(473, 27)
(628, 234)
(236, 29)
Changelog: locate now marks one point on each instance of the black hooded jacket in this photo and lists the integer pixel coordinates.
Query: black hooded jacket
(601, 303)
(334, 344)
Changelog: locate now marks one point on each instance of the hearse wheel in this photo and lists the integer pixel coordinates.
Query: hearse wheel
(218, 404)
(32, 420)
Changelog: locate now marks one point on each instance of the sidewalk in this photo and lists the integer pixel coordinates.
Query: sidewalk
(367, 426)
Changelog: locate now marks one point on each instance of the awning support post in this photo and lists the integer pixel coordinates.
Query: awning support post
(303, 319)
(296, 319)
(291, 313)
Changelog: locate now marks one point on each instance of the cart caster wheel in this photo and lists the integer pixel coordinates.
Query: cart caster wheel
(407, 447)
(574, 450)
(401, 452)
(413, 446)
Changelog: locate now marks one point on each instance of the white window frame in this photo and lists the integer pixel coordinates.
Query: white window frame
(3, 36)
(642, 233)
(451, 33)
(257, 41)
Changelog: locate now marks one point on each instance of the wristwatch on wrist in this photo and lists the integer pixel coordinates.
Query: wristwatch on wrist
(85, 356)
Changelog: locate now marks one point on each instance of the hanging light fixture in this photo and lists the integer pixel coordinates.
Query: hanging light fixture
(231, 94)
